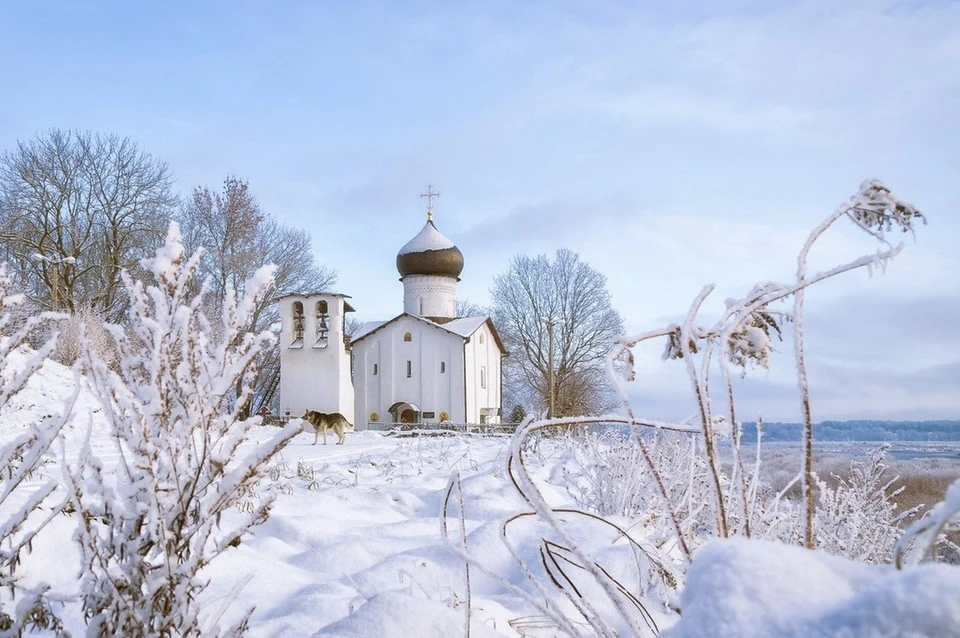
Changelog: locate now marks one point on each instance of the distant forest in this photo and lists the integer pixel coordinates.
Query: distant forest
(858, 431)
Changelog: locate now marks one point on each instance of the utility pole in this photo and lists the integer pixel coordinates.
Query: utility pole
(550, 323)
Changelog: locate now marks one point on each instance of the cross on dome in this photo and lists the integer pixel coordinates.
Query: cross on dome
(430, 194)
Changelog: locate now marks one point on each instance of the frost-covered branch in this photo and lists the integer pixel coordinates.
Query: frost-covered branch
(875, 210)
(179, 497)
(922, 535)
(22, 517)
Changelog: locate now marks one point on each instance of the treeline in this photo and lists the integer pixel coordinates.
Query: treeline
(864, 430)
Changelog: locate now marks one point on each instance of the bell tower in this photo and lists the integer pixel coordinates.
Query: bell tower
(315, 355)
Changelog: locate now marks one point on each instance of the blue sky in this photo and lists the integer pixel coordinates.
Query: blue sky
(670, 146)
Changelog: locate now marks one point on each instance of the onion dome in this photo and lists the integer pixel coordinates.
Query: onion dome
(430, 253)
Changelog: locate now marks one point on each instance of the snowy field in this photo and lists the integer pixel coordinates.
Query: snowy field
(354, 547)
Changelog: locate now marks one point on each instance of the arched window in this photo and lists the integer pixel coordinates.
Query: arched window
(407, 336)
(297, 321)
(481, 337)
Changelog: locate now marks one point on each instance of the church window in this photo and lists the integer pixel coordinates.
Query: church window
(407, 336)
(297, 321)
(376, 369)
(483, 377)
(443, 367)
(409, 369)
(481, 337)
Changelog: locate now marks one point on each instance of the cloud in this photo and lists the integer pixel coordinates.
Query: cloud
(877, 356)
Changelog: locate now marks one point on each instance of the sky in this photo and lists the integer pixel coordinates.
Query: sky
(670, 146)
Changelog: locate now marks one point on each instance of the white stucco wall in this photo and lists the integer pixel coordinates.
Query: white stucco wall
(314, 375)
(430, 295)
(427, 387)
(481, 352)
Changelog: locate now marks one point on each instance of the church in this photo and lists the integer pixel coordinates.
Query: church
(425, 365)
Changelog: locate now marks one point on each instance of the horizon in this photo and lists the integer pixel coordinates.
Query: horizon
(669, 146)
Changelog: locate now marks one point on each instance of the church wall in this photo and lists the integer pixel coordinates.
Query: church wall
(427, 387)
(483, 375)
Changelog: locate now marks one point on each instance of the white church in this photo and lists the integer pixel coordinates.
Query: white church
(425, 365)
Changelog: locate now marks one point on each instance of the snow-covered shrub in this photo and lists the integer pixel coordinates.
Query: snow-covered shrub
(85, 326)
(606, 474)
(919, 542)
(23, 512)
(180, 494)
(858, 517)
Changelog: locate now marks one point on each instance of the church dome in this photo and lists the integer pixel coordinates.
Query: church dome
(430, 253)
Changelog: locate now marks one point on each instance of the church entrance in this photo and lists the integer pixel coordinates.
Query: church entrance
(403, 412)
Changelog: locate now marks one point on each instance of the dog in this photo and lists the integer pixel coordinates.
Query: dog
(321, 422)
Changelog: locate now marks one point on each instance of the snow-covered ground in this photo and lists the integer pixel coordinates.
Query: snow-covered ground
(354, 547)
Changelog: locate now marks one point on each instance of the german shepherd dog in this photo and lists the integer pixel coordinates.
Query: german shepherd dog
(321, 422)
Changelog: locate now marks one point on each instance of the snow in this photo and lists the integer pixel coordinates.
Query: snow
(366, 328)
(353, 547)
(464, 326)
(742, 589)
(429, 238)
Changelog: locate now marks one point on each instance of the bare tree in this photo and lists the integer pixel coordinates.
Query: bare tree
(565, 296)
(238, 237)
(467, 308)
(76, 208)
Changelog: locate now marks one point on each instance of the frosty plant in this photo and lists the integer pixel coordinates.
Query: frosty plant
(22, 515)
(919, 541)
(742, 336)
(179, 494)
(858, 518)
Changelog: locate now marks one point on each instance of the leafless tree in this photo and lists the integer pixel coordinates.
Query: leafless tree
(467, 308)
(573, 297)
(238, 237)
(76, 208)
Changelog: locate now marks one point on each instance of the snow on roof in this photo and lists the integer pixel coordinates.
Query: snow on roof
(429, 238)
(366, 328)
(464, 326)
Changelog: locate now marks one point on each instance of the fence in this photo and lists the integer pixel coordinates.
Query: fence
(446, 426)
(413, 428)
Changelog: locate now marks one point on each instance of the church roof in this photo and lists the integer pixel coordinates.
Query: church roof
(430, 253)
(365, 329)
(463, 327)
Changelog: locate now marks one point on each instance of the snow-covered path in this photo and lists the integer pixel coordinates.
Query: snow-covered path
(364, 528)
